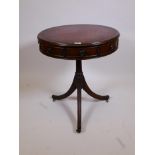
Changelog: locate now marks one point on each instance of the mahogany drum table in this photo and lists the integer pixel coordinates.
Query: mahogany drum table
(78, 42)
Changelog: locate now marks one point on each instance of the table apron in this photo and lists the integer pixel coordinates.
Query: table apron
(79, 52)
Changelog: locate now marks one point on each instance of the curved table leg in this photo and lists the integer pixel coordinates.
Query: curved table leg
(94, 95)
(68, 93)
(79, 83)
(78, 109)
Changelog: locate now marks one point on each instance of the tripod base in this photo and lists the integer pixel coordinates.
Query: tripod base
(79, 83)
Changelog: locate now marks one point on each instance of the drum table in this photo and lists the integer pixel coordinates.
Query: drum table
(78, 42)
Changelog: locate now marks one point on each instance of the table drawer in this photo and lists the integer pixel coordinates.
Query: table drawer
(79, 52)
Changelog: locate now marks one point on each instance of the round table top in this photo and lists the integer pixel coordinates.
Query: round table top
(79, 37)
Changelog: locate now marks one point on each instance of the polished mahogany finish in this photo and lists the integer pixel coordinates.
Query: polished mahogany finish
(78, 42)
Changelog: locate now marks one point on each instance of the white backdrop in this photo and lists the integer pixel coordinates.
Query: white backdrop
(49, 128)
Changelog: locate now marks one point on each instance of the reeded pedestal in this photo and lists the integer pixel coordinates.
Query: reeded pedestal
(79, 83)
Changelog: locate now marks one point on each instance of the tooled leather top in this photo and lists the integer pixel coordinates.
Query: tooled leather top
(78, 35)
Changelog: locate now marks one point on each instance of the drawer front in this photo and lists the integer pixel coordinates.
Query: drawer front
(79, 52)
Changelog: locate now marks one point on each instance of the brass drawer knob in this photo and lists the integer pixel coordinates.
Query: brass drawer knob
(82, 53)
(111, 47)
(49, 50)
